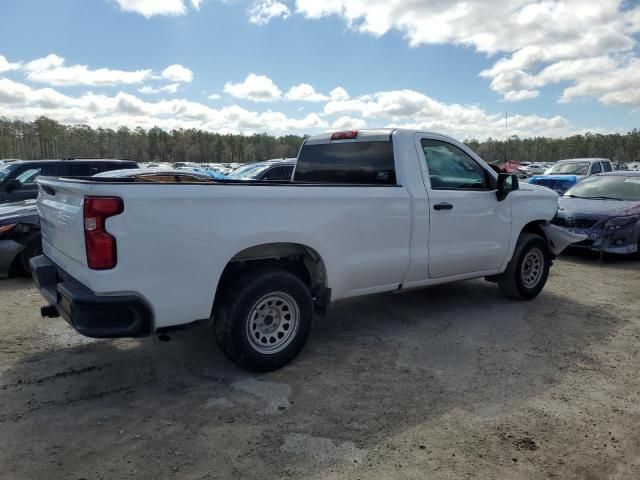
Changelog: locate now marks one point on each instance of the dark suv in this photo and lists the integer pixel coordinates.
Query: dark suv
(17, 178)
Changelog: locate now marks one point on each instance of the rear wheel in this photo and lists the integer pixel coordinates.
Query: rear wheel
(528, 270)
(264, 319)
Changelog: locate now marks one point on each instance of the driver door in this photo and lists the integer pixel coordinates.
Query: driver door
(469, 229)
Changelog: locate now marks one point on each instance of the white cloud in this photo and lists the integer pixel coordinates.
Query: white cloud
(170, 88)
(399, 108)
(52, 70)
(6, 66)
(518, 95)
(339, 93)
(111, 111)
(262, 12)
(177, 73)
(150, 8)
(305, 93)
(12, 92)
(257, 88)
(411, 109)
(346, 123)
(214, 96)
(540, 42)
(196, 4)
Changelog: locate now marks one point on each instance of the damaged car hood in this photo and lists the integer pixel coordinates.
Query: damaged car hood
(597, 209)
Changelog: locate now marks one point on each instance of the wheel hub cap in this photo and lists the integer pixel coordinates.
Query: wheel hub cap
(532, 268)
(272, 322)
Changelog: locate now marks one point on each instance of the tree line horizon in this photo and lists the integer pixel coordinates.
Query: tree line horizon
(46, 138)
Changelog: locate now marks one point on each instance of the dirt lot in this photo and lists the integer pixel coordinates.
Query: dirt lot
(451, 382)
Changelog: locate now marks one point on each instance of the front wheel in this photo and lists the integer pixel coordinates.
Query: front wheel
(264, 319)
(528, 270)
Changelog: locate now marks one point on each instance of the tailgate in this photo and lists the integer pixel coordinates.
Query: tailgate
(60, 205)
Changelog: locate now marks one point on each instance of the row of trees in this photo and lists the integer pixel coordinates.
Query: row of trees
(46, 138)
(616, 147)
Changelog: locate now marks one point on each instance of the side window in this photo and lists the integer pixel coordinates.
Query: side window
(596, 168)
(276, 173)
(28, 177)
(289, 172)
(452, 169)
(607, 166)
(80, 169)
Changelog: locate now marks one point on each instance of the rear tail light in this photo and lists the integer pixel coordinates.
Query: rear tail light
(348, 135)
(101, 246)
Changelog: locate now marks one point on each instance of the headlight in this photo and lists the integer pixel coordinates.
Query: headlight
(618, 223)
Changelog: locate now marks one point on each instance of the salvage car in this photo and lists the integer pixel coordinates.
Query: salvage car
(17, 179)
(605, 208)
(158, 175)
(566, 173)
(19, 236)
(366, 212)
(278, 169)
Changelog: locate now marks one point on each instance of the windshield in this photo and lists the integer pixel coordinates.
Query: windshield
(4, 173)
(248, 171)
(614, 187)
(569, 168)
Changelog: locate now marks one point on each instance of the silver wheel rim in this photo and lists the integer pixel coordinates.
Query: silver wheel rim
(273, 322)
(532, 268)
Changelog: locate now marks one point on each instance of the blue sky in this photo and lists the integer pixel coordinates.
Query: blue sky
(556, 66)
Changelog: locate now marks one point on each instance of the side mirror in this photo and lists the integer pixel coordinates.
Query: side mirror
(507, 183)
(12, 185)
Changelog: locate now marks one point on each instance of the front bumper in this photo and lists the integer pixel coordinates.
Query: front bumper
(97, 316)
(9, 250)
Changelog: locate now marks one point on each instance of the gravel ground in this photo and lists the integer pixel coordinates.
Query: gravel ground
(450, 382)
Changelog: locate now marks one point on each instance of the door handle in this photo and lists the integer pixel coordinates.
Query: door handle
(443, 206)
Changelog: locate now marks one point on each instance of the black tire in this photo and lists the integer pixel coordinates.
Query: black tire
(235, 314)
(516, 282)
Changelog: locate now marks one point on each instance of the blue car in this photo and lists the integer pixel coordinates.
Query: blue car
(566, 173)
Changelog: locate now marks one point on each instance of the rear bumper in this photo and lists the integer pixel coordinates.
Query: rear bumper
(92, 315)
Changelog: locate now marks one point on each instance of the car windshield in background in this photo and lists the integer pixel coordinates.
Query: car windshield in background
(4, 172)
(614, 187)
(248, 171)
(572, 168)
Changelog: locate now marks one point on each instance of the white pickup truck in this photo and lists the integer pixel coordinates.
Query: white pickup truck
(366, 212)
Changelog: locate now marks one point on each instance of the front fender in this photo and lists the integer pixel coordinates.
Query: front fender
(558, 238)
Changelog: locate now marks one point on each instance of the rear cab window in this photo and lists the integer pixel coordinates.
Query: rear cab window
(360, 162)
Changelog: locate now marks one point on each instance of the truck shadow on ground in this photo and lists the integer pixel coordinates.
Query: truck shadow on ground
(374, 367)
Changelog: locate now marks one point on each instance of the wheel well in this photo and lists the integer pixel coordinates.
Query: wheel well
(301, 260)
(535, 228)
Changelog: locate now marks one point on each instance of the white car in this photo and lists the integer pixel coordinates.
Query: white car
(366, 212)
(535, 168)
